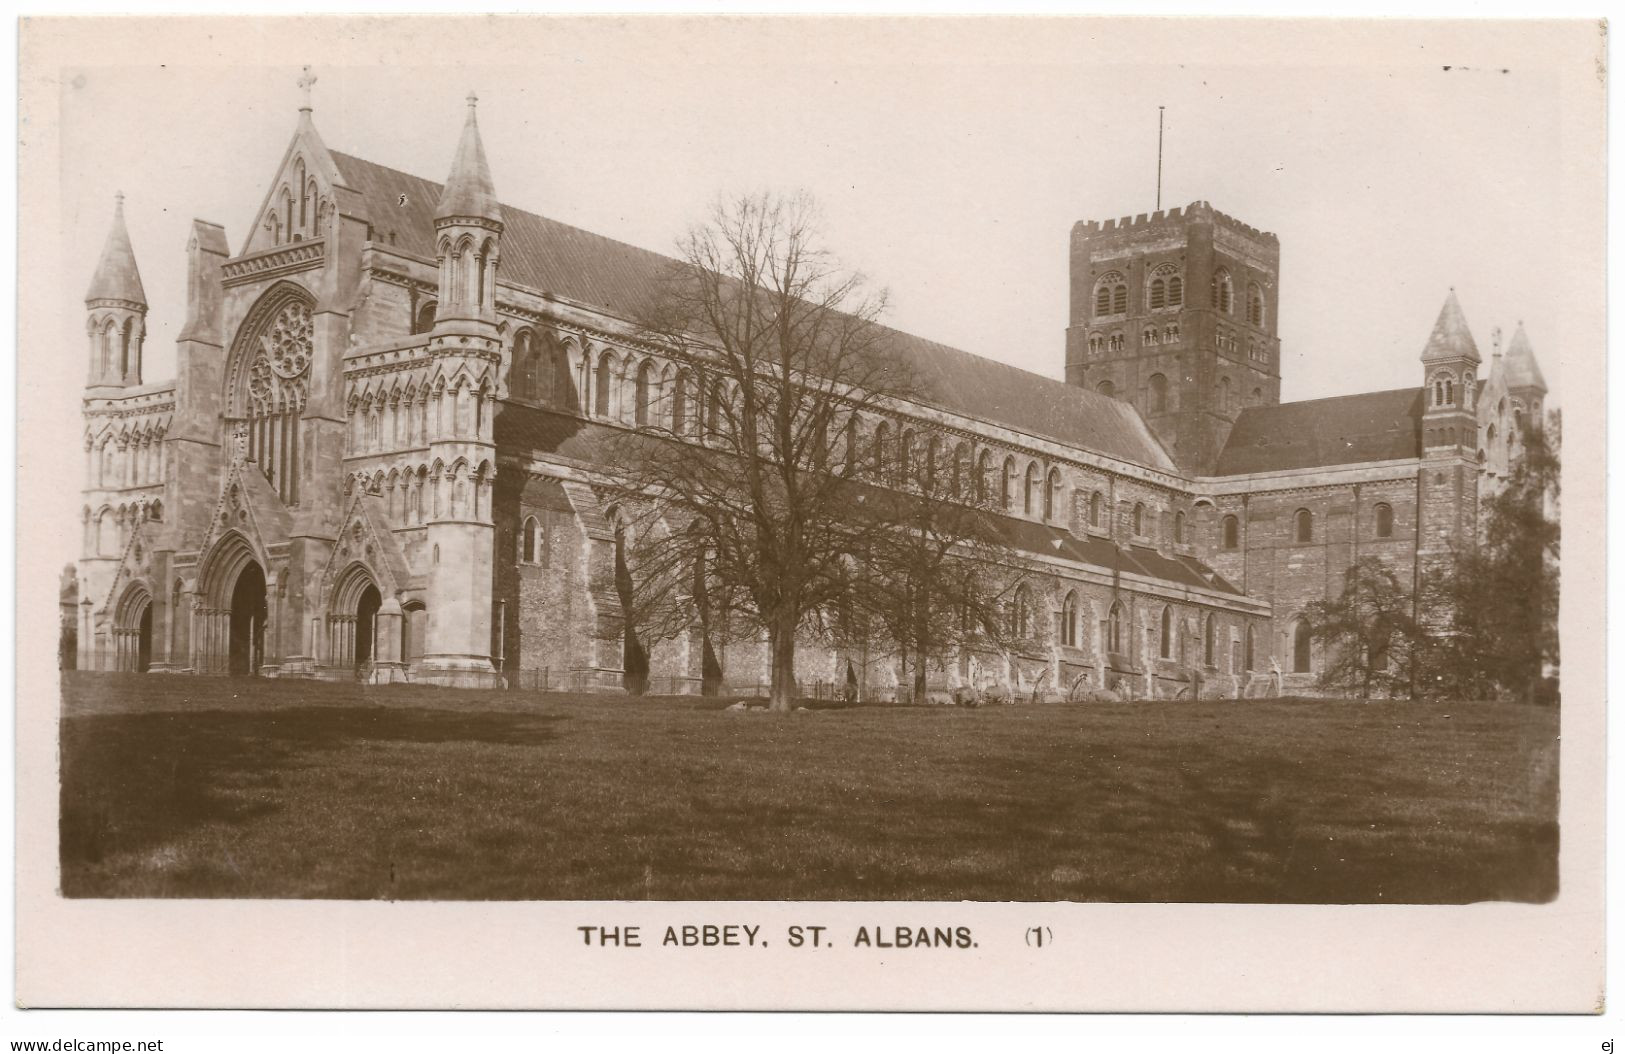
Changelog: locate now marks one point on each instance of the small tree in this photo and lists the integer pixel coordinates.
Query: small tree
(1369, 630)
(1501, 597)
(752, 449)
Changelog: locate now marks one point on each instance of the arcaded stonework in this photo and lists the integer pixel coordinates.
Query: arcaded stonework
(384, 455)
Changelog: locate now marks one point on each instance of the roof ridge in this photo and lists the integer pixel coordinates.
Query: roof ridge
(440, 187)
(1410, 390)
(613, 275)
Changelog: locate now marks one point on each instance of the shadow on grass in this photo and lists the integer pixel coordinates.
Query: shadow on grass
(132, 781)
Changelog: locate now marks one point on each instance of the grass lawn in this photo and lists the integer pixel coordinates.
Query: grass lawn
(203, 787)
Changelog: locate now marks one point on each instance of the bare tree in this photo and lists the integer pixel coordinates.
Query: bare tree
(752, 455)
(938, 578)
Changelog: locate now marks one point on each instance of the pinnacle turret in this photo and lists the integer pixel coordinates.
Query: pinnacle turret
(1521, 370)
(469, 192)
(1450, 339)
(117, 277)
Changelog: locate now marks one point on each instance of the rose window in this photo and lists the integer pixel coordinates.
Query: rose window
(287, 342)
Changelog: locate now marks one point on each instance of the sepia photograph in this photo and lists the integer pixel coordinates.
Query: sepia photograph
(904, 461)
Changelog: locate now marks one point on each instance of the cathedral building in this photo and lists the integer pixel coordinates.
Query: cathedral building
(384, 454)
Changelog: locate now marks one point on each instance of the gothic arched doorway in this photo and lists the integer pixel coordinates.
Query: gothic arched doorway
(352, 620)
(143, 640)
(132, 632)
(247, 624)
(366, 623)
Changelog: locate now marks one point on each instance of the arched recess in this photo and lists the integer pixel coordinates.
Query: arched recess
(1302, 654)
(353, 631)
(267, 382)
(132, 630)
(228, 629)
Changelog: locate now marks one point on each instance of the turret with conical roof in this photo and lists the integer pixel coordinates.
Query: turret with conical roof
(468, 225)
(1450, 361)
(116, 307)
(1447, 485)
(1522, 371)
(468, 351)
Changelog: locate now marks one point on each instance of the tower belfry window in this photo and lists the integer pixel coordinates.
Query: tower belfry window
(1111, 294)
(1224, 292)
(1166, 289)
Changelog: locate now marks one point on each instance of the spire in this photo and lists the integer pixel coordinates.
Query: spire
(469, 193)
(1521, 369)
(307, 80)
(117, 277)
(1450, 339)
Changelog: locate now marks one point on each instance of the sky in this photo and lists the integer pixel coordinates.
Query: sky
(950, 157)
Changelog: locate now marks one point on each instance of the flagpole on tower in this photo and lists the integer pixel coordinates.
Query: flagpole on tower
(1159, 157)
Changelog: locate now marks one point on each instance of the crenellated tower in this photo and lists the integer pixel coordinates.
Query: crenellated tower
(465, 348)
(116, 306)
(1177, 313)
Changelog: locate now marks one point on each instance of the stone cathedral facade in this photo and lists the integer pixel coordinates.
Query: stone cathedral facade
(383, 454)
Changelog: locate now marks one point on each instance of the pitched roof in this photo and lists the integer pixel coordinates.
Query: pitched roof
(565, 435)
(620, 279)
(117, 277)
(469, 190)
(1450, 339)
(1521, 369)
(1315, 433)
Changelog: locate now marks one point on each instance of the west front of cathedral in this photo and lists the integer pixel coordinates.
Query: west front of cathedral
(383, 456)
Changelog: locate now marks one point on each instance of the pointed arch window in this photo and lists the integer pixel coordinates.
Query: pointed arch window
(960, 484)
(1209, 642)
(1179, 527)
(1139, 520)
(1114, 629)
(601, 384)
(1231, 531)
(984, 467)
(524, 379)
(425, 318)
(1069, 620)
(1255, 304)
(109, 343)
(1052, 494)
(1165, 634)
(1029, 493)
(1021, 613)
(1224, 292)
(1247, 652)
(881, 449)
(642, 395)
(1096, 501)
(1007, 485)
(532, 541)
(679, 405)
